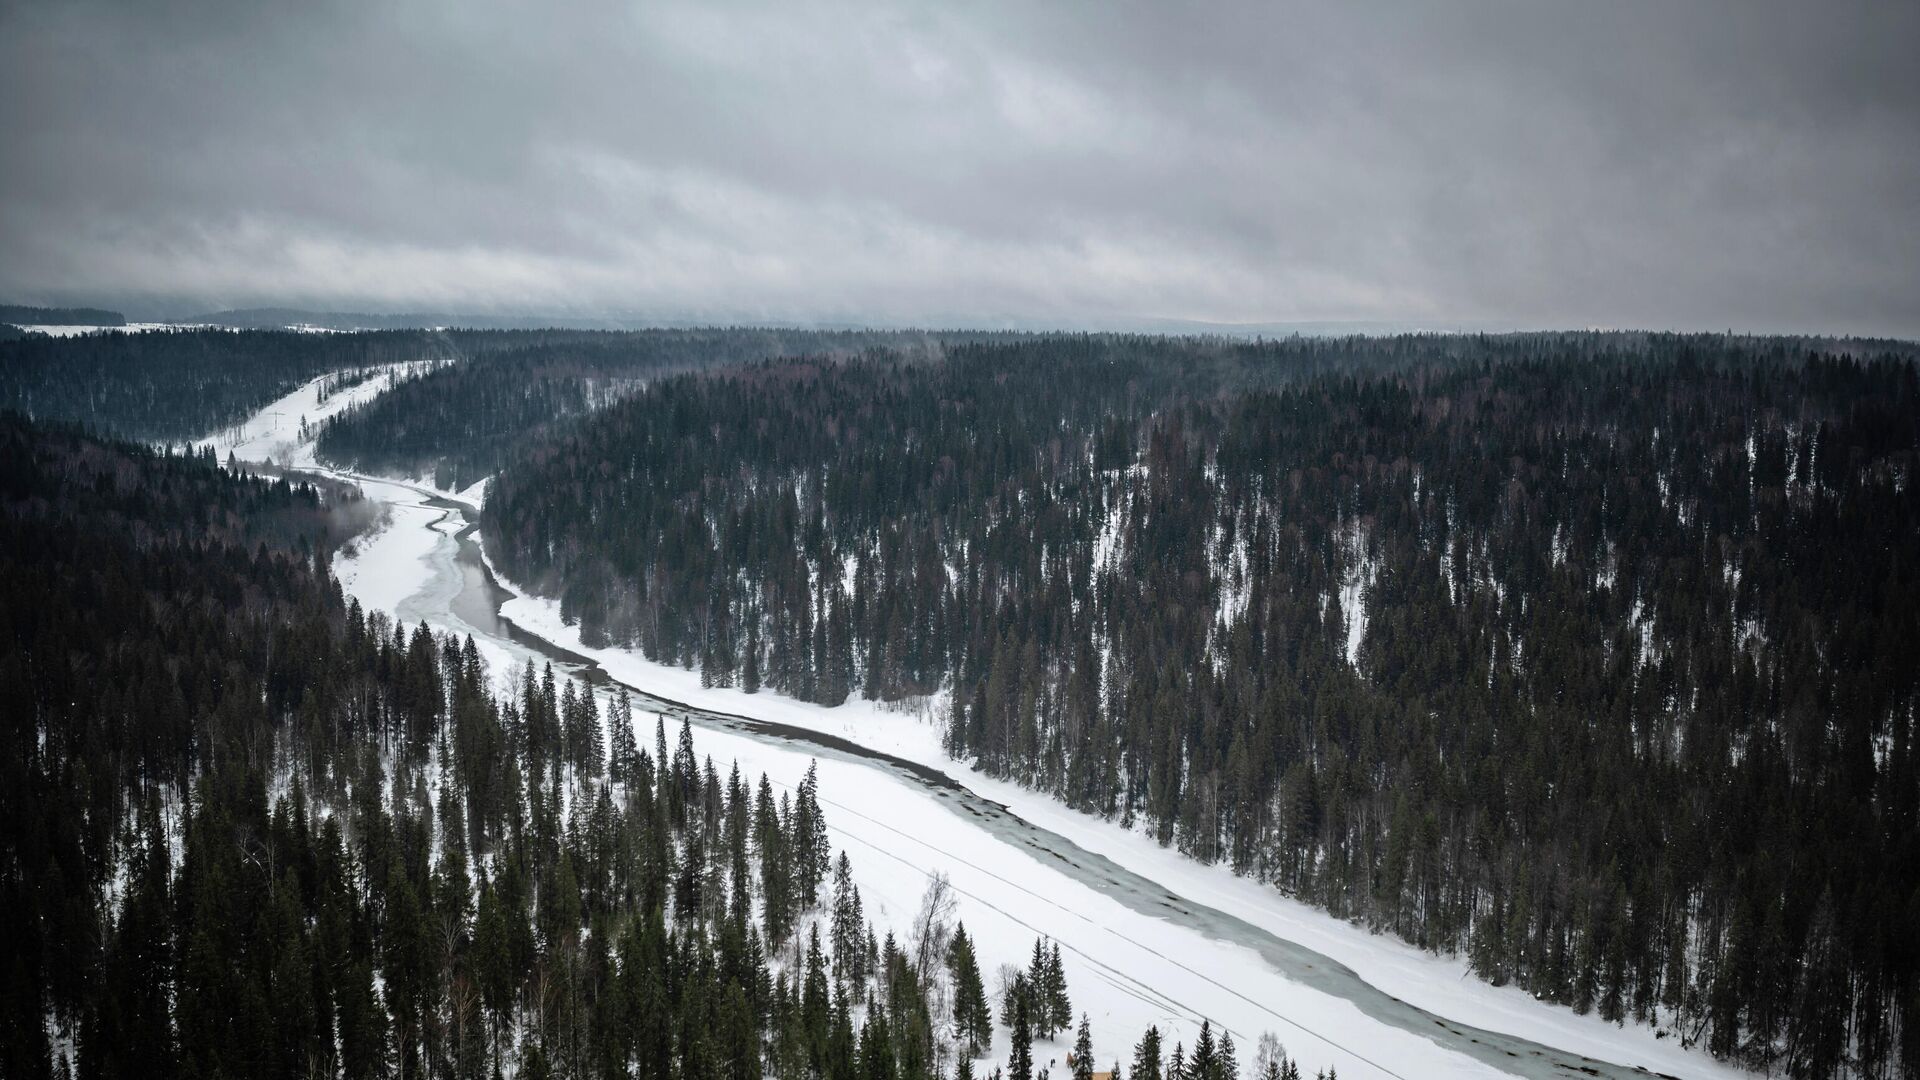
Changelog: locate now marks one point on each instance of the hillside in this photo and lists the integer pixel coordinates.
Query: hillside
(1587, 656)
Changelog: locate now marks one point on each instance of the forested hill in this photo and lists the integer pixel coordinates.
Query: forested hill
(166, 385)
(462, 423)
(19, 315)
(247, 829)
(1593, 656)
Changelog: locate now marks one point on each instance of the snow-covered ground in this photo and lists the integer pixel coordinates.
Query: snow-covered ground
(273, 434)
(1437, 984)
(129, 328)
(1127, 968)
(137, 327)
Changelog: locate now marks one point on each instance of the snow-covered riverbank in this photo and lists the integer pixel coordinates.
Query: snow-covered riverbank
(1127, 967)
(1437, 984)
(274, 433)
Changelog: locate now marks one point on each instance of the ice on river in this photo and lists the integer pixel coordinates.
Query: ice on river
(1239, 988)
(1126, 968)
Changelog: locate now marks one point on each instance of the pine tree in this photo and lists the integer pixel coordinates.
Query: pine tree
(1205, 1062)
(876, 1047)
(1059, 1007)
(812, 851)
(1146, 1056)
(624, 759)
(1020, 1060)
(750, 674)
(593, 756)
(972, 1017)
(848, 925)
(1040, 987)
(1083, 1051)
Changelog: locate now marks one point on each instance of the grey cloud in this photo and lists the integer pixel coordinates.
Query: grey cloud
(1752, 164)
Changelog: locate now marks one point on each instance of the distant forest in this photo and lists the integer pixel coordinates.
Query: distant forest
(1589, 656)
(461, 423)
(20, 315)
(182, 385)
(247, 829)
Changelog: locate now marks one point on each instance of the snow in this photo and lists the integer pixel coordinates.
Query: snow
(273, 433)
(1362, 568)
(475, 493)
(387, 567)
(1126, 969)
(138, 327)
(76, 331)
(1438, 984)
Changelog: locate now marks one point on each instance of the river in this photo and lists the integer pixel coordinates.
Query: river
(462, 593)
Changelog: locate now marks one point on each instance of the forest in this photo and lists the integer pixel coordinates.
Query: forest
(1587, 656)
(20, 315)
(179, 385)
(461, 423)
(247, 829)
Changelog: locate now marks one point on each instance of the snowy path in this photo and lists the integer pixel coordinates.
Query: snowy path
(273, 433)
(1148, 937)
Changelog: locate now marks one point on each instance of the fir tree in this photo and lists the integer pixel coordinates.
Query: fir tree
(972, 1017)
(1020, 1059)
(1082, 1060)
(1146, 1056)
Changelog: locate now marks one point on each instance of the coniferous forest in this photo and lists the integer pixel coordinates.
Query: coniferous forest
(247, 829)
(461, 423)
(1589, 656)
(178, 385)
(22, 315)
(960, 541)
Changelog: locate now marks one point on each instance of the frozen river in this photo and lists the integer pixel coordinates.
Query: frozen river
(1148, 937)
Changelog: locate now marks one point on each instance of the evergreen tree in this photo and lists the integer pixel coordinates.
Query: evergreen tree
(1082, 1060)
(1146, 1056)
(1059, 1006)
(1020, 1059)
(1205, 1062)
(972, 1017)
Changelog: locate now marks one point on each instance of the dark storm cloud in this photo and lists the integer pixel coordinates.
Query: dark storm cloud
(1699, 164)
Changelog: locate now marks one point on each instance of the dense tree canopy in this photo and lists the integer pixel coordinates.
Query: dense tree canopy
(174, 385)
(19, 315)
(247, 829)
(463, 422)
(1589, 655)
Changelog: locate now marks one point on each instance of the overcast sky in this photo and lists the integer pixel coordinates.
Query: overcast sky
(1747, 164)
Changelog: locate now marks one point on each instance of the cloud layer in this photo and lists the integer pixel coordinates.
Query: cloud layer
(1744, 164)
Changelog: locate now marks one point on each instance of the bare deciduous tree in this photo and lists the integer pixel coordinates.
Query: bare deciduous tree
(932, 933)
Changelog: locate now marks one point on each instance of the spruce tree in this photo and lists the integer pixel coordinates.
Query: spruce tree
(972, 1017)
(1146, 1056)
(1083, 1051)
(1020, 1059)
(1059, 1006)
(1205, 1062)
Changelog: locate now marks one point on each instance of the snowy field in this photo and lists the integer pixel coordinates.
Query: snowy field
(129, 328)
(273, 433)
(1125, 969)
